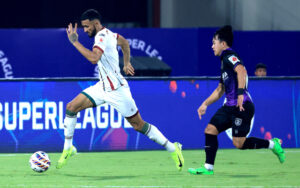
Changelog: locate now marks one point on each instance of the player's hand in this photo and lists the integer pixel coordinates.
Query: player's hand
(240, 101)
(201, 110)
(128, 69)
(72, 33)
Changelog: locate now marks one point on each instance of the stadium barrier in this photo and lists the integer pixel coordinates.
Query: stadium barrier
(32, 112)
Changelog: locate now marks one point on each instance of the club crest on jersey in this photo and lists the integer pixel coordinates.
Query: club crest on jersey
(233, 59)
(238, 121)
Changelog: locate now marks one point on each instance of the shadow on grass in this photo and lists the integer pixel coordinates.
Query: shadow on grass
(242, 176)
(99, 177)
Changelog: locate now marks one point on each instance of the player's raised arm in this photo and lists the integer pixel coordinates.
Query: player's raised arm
(123, 43)
(216, 95)
(92, 56)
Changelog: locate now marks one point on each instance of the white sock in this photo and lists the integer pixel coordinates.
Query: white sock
(69, 124)
(154, 134)
(68, 143)
(209, 166)
(170, 147)
(271, 145)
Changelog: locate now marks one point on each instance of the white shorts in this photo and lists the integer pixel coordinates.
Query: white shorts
(120, 98)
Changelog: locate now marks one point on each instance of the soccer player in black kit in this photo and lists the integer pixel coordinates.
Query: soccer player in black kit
(238, 110)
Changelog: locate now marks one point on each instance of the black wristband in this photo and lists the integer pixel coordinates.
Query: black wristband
(241, 91)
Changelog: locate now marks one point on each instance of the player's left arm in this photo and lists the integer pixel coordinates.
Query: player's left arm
(123, 43)
(241, 77)
(92, 56)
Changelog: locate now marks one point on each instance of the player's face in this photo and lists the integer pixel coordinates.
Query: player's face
(260, 72)
(89, 27)
(217, 46)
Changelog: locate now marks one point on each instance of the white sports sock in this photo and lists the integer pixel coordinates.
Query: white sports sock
(69, 124)
(170, 147)
(154, 134)
(271, 145)
(68, 143)
(209, 166)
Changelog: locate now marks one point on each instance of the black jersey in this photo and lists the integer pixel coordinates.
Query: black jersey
(229, 60)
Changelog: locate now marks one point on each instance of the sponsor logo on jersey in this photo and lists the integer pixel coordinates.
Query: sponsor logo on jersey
(238, 121)
(229, 131)
(233, 59)
(224, 76)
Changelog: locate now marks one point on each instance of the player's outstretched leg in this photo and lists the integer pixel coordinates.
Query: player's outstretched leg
(69, 150)
(278, 151)
(154, 134)
(177, 156)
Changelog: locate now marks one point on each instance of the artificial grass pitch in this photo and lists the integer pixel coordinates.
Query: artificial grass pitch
(233, 168)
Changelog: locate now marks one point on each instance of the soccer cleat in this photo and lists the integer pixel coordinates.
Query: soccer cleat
(277, 150)
(177, 156)
(200, 171)
(65, 156)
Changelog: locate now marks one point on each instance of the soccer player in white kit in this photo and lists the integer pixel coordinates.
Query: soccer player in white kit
(112, 87)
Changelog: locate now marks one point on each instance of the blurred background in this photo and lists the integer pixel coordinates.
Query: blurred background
(174, 35)
(270, 15)
(170, 42)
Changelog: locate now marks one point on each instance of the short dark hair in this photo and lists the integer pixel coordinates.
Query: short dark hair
(260, 65)
(225, 34)
(90, 14)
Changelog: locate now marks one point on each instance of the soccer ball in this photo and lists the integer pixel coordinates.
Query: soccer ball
(39, 161)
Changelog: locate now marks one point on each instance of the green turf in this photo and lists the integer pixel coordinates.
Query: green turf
(233, 168)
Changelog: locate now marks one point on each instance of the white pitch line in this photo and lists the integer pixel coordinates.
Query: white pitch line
(13, 155)
(138, 186)
(258, 186)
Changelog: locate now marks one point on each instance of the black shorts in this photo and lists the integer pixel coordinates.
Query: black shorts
(231, 117)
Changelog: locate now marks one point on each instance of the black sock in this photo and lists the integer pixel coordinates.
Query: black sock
(211, 147)
(255, 143)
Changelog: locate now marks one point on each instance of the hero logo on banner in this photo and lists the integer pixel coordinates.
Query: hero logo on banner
(6, 67)
(233, 59)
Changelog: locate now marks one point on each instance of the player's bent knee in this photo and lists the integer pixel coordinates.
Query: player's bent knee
(211, 129)
(136, 122)
(70, 107)
(238, 144)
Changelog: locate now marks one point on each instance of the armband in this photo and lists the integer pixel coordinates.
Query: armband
(240, 91)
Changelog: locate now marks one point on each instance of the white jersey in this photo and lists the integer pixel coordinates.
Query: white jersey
(108, 65)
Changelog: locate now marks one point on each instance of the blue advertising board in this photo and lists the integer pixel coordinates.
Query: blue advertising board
(32, 112)
(48, 53)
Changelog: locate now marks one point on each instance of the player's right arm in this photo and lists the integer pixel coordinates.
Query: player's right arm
(216, 95)
(92, 56)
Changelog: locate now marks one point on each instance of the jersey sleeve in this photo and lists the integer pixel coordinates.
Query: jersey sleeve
(116, 36)
(233, 61)
(100, 42)
(221, 80)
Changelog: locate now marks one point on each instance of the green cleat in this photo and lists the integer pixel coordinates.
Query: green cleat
(65, 156)
(200, 171)
(177, 156)
(277, 150)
